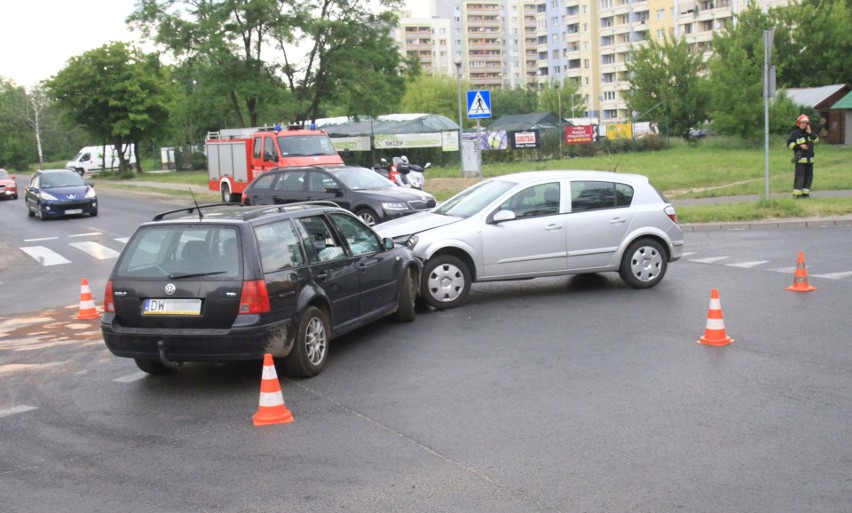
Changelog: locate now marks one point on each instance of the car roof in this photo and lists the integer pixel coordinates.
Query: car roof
(535, 176)
(51, 171)
(328, 168)
(229, 212)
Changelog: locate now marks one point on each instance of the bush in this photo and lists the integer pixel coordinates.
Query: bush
(198, 161)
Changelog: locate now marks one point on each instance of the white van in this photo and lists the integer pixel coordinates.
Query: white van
(90, 159)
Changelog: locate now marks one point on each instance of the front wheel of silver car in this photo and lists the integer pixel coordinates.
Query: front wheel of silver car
(644, 264)
(310, 350)
(446, 282)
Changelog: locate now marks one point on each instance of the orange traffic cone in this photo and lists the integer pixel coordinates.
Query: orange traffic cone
(800, 282)
(87, 304)
(714, 334)
(271, 409)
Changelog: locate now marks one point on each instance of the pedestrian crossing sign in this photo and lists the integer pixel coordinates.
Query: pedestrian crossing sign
(478, 104)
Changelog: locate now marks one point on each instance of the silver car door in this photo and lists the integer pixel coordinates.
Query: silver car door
(532, 243)
(597, 224)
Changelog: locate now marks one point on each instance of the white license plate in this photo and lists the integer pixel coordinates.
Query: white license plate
(74, 211)
(172, 307)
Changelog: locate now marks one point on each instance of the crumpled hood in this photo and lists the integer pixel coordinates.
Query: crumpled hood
(414, 223)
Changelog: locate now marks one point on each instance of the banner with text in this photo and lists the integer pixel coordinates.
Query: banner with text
(579, 134)
(525, 140)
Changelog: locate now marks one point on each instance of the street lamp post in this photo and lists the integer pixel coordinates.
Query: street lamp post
(458, 62)
(561, 130)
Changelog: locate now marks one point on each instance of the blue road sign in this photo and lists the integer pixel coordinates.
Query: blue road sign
(478, 104)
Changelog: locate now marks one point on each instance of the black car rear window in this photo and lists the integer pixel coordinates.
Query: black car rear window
(181, 251)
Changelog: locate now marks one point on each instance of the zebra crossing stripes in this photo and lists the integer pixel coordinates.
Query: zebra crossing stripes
(758, 263)
(50, 257)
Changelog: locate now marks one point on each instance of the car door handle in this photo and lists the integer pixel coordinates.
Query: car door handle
(322, 276)
(553, 227)
(617, 220)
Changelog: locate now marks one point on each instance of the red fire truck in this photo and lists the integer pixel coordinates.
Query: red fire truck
(236, 156)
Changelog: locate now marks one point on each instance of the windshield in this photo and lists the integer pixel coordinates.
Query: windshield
(305, 145)
(361, 178)
(4, 175)
(69, 179)
(474, 199)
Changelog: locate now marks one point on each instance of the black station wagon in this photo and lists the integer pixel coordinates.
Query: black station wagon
(218, 283)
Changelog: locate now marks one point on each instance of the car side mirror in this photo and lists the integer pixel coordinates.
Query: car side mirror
(387, 243)
(502, 216)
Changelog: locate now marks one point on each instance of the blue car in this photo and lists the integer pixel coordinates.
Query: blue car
(58, 193)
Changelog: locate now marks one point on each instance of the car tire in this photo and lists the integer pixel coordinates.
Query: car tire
(41, 213)
(30, 213)
(227, 197)
(644, 264)
(445, 283)
(94, 214)
(405, 310)
(152, 367)
(310, 349)
(368, 216)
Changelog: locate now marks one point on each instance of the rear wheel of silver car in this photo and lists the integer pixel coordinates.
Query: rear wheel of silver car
(310, 350)
(644, 264)
(405, 310)
(368, 216)
(446, 282)
(152, 367)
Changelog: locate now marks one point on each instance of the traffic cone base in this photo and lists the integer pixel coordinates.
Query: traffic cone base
(714, 333)
(800, 281)
(87, 304)
(271, 408)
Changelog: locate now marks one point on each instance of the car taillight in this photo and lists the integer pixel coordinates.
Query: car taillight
(244, 198)
(109, 300)
(255, 298)
(670, 211)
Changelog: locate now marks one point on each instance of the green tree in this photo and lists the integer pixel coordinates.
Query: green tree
(518, 100)
(666, 86)
(564, 97)
(736, 76)
(115, 93)
(17, 146)
(435, 95)
(225, 42)
(814, 48)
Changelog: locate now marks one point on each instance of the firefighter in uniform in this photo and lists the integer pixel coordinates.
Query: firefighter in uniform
(801, 142)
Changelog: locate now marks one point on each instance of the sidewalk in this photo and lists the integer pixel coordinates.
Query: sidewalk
(813, 222)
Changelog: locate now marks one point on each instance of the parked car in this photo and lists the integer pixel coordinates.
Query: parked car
(360, 190)
(541, 223)
(8, 187)
(58, 193)
(219, 283)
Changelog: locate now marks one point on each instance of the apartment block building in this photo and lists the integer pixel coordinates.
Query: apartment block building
(502, 44)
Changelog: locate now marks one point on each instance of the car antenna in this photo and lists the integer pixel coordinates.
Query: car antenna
(615, 169)
(200, 215)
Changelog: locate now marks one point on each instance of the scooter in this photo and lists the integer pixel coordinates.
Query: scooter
(416, 176)
(388, 171)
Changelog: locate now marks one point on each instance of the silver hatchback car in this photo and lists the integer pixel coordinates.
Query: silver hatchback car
(541, 223)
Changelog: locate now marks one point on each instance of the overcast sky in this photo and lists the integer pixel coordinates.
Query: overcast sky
(36, 40)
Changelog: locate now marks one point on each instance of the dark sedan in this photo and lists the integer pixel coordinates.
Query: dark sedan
(360, 190)
(58, 193)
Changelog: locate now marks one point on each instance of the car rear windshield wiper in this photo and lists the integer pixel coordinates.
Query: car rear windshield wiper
(193, 275)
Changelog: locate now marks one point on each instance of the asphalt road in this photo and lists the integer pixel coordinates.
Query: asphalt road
(566, 394)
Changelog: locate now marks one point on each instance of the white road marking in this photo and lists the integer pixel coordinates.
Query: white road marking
(709, 260)
(39, 240)
(17, 409)
(130, 378)
(98, 251)
(833, 276)
(749, 265)
(785, 270)
(85, 234)
(45, 256)
(123, 240)
(689, 253)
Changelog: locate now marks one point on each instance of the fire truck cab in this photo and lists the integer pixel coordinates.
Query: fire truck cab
(236, 156)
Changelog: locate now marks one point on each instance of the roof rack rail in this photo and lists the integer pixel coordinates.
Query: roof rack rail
(192, 209)
(263, 210)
